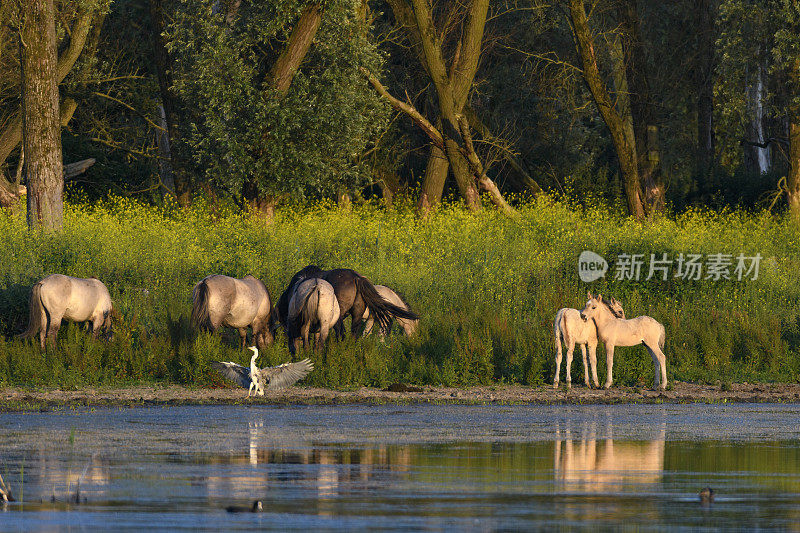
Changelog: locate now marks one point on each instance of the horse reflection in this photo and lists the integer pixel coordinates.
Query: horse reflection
(62, 480)
(592, 464)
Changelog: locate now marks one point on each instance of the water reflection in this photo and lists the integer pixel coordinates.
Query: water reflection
(562, 468)
(587, 463)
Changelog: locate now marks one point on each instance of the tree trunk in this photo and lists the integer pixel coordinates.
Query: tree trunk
(704, 84)
(282, 74)
(793, 180)
(41, 129)
(284, 69)
(626, 152)
(164, 153)
(435, 177)
(643, 116)
(757, 158)
(11, 135)
(163, 62)
(452, 88)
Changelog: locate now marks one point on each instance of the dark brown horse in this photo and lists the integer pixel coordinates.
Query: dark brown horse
(355, 294)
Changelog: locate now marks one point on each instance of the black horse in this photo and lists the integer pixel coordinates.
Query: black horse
(355, 294)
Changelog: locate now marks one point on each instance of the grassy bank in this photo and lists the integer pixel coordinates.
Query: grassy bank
(486, 286)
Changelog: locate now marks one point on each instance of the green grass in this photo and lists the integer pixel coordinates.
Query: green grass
(487, 288)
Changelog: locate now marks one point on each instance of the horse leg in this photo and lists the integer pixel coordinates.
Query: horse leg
(338, 328)
(53, 327)
(660, 364)
(322, 339)
(593, 363)
(53, 332)
(243, 336)
(585, 367)
(570, 349)
(305, 332)
(317, 345)
(368, 326)
(558, 365)
(97, 323)
(609, 365)
(357, 315)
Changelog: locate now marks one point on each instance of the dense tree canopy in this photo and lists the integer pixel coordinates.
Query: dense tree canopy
(643, 105)
(305, 139)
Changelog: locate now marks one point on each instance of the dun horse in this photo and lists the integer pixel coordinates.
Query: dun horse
(409, 326)
(354, 293)
(313, 308)
(237, 303)
(569, 326)
(57, 297)
(615, 331)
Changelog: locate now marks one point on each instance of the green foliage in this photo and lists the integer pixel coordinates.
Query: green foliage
(306, 143)
(756, 39)
(487, 289)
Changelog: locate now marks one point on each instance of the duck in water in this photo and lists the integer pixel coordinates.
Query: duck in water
(706, 496)
(257, 507)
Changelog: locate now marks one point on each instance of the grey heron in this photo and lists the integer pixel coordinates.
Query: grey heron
(273, 377)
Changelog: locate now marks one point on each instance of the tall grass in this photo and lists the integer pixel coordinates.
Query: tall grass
(487, 288)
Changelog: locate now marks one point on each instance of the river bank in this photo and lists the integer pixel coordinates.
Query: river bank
(20, 399)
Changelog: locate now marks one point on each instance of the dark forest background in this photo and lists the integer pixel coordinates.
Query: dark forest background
(642, 105)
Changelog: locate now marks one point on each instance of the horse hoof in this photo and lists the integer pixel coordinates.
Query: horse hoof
(555, 386)
(607, 386)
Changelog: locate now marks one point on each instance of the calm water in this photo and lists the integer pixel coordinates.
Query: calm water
(409, 467)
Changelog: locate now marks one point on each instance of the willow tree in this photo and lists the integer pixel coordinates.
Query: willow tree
(279, 107)
(451, 135)
(618, 124)
(41, 131)
(75, 24)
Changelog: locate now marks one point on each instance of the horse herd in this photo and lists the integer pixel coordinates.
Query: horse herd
(317, 301)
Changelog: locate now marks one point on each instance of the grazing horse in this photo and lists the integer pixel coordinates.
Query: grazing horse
(357, 294)
(312, 309)
(237, 303)
(57, 297)
(569, 327)
(615, 331)
(282, 309)
(354, 293)
(409, 326)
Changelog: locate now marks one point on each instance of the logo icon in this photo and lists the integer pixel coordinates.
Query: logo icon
(591, 266)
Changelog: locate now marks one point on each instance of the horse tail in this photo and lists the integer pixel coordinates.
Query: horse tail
(36, 316)
(296, 322)
(379, 308)
(200, 313)
(558, 326)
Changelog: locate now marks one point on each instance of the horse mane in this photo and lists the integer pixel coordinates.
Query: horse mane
(608, 306)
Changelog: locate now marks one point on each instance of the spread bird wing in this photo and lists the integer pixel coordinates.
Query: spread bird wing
(232, 371)
(287, 374)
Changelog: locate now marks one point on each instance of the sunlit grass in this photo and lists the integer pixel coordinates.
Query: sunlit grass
(486, 286)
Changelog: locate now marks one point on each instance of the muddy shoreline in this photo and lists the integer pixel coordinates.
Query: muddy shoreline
(19, 399)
